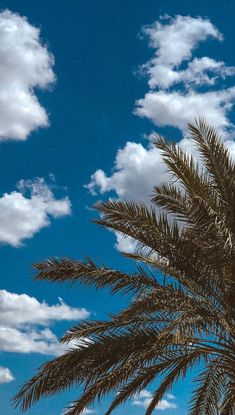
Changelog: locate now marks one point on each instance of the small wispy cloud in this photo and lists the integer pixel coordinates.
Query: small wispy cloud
(144, 398)
(5, 375)
(85, 412)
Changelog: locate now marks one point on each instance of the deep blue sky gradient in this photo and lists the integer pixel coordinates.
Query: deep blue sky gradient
(96, 48)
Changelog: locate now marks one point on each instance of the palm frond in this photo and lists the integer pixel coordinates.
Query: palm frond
(89, 273)
(180, 310)
(178, 370)
(211, 385)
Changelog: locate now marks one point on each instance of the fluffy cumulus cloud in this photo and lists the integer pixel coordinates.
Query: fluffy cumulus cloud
(145, 397)
(173, 40)
(25, 64)
(25, 211)
(29, 341)
(21, 309)
(177, 108)
(136, 171)
(24, 323)
(5, 375)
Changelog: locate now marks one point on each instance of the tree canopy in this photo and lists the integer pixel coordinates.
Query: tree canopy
(169, 325)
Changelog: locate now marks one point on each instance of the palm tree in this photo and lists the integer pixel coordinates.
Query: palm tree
(170, 325)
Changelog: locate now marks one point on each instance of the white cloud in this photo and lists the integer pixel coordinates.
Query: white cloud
(21, 216)
(29, 341)
(144, 394)
(200, 71)
(21, 317)
(144, 398)
(136, 170)
(33, 340)
(21, 309)
(25, 64)
(174, 40)
(170, 396)
(124, 244)
(177, 108)
(5, 375)
(85, 412)
(165, 404)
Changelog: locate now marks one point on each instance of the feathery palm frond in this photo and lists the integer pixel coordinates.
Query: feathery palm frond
(168, 326)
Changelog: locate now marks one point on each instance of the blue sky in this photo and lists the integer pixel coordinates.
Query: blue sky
(82, 87)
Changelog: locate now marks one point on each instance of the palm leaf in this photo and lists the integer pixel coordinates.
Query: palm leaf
(180, 309)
